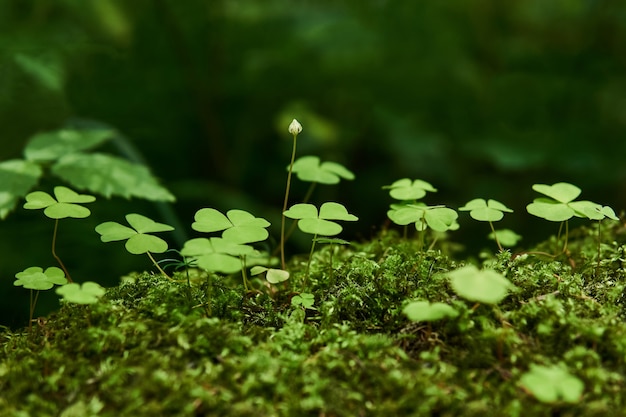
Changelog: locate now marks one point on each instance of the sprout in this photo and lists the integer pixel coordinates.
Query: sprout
(87, 293)
(487, 287)
(425, 311)
(550, 384)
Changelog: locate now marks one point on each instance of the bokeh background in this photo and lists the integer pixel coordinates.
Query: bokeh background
(482, 98)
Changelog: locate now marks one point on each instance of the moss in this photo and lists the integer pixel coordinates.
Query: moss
(159, 347)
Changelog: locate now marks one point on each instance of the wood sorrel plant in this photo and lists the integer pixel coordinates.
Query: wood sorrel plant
(66, 204)
(138, 240)
(487, 211)
(319, 223)
(36, 279)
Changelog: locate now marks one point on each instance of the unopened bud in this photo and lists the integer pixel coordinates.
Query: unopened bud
(295, 127)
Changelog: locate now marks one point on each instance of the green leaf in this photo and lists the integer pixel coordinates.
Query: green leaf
(272, 275)
(50, 146)
(487, 286)
(216, 254)
(35, 278)
(65, 205)
(305, 300)
(138, 240)
(87, 293)
(486, 211)
(143, 224)
(599, 212)
(425, 311)
(17, 177)
(506, 237)
(239, 226)
(141, 243)
(110, 176)
(441, 219)
(46, 69)
(562, 192)
(301, 211)
(438, 218)
(309, 168)
(405, 189)
(309, 221)
(550, 384)
(550, 210)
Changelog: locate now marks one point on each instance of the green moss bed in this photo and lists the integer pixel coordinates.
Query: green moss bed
(155, 347)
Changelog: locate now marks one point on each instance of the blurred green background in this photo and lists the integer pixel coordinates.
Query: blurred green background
(482, 98)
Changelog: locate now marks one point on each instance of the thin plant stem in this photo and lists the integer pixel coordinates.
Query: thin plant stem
(243, 272)
(308, 264)
(495, 236)
(282, 224)
(598, 264)
(54, 253)
(157, 265)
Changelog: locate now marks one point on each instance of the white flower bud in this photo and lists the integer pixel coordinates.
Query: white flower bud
(295, 127)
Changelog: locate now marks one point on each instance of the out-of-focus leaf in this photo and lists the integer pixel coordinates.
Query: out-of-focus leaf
(110, 176)
(49, 146)
(17, 177)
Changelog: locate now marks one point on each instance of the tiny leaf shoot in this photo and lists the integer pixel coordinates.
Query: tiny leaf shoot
(487, 211)
(426, 311)
(486, 286)
(238, 226)
(35, 278)
(550, 384)
(507, 238)
(85, 293)
(304, 300)
(65, 203)
(138, 240)
(272, 275)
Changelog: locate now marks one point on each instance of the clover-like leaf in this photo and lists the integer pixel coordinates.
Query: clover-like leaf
(425, 311)
(560, 206)
(312, 222)
(506, 237)
(309, 168)
(486, 286)
(438, 218)
(85, 293)
(305, 300)
(599, 212)
(66, 204)
(562, 192)
(550, 384)
(272, 275)
(17, 177)
(486, 211)
(405, 189)
(239, 226)
(138, 240)
(216, 254)
(35, 278)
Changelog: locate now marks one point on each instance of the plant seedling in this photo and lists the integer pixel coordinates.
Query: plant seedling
(487, 211)
(295, 128)
(310, 169)
(486, 286)
(35, 278)
(66, 204)
(550, 384)
(600, 213)
(305, 300)
(272, 275)
(85, 293)
(426, 311)
(138, 240)
(405, 189)
(559, 206)
(319, 223)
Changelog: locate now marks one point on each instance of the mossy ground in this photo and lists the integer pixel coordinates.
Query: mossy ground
(153, 347)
